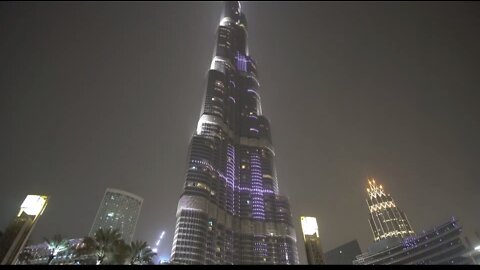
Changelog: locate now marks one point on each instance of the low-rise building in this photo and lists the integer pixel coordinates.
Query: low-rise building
(440, 245)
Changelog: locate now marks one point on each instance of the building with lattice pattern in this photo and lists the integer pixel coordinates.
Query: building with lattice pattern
(386, 219)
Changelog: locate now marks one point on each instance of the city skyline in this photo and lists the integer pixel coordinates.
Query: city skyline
(351, 89)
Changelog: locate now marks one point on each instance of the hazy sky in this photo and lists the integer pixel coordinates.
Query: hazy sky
(96, 95)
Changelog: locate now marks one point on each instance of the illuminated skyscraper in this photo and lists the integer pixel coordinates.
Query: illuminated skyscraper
(311, 238)
(119, 210)
(231, 211)
(17, 233)
(386, 219)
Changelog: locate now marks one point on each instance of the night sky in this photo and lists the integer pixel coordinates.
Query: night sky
(97, 95)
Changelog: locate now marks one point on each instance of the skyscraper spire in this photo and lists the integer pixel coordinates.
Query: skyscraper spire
(230, 211)
(386, 219)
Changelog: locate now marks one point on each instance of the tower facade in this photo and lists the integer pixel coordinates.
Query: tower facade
(386, 219)
(230, 211)
(119, 210)
(311, 238)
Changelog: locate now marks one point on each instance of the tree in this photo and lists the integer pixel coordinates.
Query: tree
(121, 253)
(55, 245)
(108, 248)
(85, 250)
(25, 256)
(106, 241)
(141, 253)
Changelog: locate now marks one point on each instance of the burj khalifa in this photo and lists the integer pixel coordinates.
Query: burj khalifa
(231, 211)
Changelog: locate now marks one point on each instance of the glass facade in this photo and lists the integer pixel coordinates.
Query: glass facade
(344, 254)
(230, 211)
(119, 210)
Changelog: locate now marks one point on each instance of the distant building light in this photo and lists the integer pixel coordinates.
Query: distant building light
(477, 248)
(309, 226)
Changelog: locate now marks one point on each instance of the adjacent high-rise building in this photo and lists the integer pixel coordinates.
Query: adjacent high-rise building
(230, 211)
(17, 233)
(386, 219)
(344, 254)
(311, 238)
(119, 210)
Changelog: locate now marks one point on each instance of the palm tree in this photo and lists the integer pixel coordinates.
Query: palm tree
(106, 240)
(121, 252)
(55, 245)
(87, 248)
(109, 248)
(141, 253)
(25, 256)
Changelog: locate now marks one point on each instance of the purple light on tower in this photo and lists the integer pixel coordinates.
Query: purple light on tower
(231, 177)
(241, 62)
(257, 187)
(227, 184)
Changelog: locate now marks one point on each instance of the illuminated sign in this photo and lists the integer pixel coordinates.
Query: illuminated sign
(309, 226)
(33, 205)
